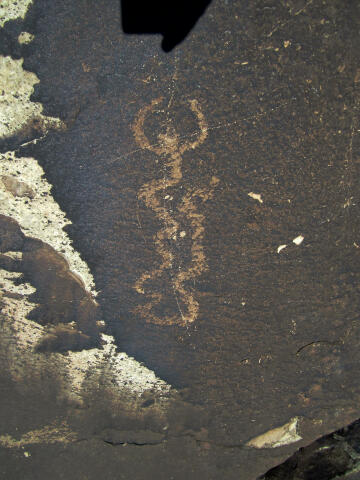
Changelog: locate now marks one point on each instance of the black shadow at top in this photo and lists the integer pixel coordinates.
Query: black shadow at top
(173, 19)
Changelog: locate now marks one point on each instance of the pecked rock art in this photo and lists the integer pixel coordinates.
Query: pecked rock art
(156, 195)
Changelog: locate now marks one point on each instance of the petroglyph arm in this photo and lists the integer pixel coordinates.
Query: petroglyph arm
(203, 127)
(138, 128)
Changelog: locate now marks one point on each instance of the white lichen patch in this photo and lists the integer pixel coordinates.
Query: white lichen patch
(16, 109)
(39, 216)
(277, 437)
(12, 9)
(25, 38)
(256, 196)
(298, 240)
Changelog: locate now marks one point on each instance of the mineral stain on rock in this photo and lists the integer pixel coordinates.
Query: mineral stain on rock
(16, 187)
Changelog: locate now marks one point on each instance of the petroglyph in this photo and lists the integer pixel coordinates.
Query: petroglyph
(155, 194)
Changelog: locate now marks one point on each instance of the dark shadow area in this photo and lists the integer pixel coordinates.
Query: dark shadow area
(333, 457)
(61, 302)
(173, 20)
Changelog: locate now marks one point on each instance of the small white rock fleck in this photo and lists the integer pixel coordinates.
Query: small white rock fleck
(256, 196)
(277, 437)
(298, 240)
(281, 247)
(25, 38)
(348, 203)
(182, 234)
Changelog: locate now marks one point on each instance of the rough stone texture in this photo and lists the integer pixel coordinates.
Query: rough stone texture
(18, 115)
(25, 195)
(213, 193)
(335, 456)
(13, 9)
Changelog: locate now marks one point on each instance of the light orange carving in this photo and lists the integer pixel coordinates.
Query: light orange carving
(170, 148)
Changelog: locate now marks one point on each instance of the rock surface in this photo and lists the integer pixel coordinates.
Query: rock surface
(198, 211)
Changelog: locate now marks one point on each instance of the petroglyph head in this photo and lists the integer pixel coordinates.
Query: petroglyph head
(168, 143)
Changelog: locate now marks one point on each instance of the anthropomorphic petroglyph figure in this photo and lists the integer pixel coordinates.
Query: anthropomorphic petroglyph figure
(170, 148)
